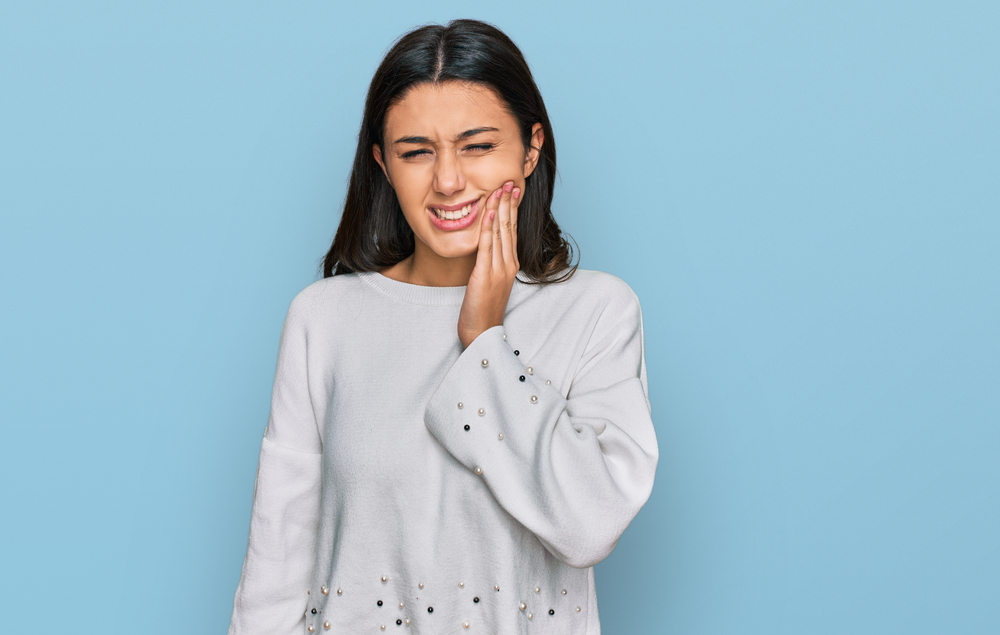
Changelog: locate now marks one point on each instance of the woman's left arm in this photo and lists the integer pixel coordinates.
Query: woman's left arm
(574, 470)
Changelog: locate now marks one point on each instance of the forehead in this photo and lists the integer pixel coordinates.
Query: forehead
(444, 110)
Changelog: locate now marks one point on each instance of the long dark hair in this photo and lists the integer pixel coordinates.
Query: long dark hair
(373, 233)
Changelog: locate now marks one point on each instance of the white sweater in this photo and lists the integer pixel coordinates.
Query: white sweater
(411, 487)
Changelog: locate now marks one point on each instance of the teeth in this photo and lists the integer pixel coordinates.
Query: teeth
(455, 215)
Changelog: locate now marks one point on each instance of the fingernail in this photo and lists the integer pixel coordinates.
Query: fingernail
(517, 192)
(497, 194)
(492, 214)
(507, 186)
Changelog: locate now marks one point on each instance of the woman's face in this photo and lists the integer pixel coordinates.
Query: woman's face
(448, 147)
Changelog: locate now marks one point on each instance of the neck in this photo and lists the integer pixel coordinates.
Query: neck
(428, 269)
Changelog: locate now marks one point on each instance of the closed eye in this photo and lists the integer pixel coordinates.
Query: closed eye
(481, 147)
(414, 153)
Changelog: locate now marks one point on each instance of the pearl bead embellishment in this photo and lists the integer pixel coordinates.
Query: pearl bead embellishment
(500, 436)
(530, 370)
(496, 587)
(465, 624)
(534, 399)
(478, 470)
(461, 585)
(420, 585)
(311, 628)
(552, 611)
(482, 411)
(340, 591)
(402, 604)
(382, 627)
(406, 621)
(326, 625)
(505, 336)
(538, 589)
(522, 606)
(548, 382)
(460, 406)
(530, 616)
(324, 590)
(486, 363)
(563, 591)
(578, 609)
(385, 579)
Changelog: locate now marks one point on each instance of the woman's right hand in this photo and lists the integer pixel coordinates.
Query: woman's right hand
(492, 278)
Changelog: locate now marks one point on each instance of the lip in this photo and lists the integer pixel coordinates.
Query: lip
(454, 225)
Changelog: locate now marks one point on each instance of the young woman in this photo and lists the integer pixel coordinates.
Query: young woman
(460, 426)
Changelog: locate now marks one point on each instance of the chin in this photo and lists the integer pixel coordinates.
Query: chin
(453, 250)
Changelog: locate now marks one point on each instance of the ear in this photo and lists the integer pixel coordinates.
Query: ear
(535, 151)
(377, 151)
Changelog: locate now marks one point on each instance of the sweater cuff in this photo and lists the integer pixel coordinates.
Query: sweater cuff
(490, 408)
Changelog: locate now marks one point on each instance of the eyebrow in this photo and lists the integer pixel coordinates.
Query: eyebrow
(465, 135)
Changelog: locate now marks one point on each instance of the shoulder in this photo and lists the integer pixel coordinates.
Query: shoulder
(596, 291)
(318, 298)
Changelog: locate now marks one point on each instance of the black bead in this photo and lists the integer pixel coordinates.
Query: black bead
(521, 377)
(516, 352)
(398, 622)
(466, 426)
(476, 600)
(314, 611)
(380, 602)
(430, 609)
(552, 611)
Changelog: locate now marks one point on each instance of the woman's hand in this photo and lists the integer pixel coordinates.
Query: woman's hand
(496, 266)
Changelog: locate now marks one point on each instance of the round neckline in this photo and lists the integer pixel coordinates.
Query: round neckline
(425, 295)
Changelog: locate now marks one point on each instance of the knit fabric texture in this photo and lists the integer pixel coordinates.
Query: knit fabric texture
(410, 486)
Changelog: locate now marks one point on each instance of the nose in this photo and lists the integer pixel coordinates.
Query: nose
(448, 177)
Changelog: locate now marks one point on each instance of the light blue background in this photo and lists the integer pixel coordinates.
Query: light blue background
(805, 198)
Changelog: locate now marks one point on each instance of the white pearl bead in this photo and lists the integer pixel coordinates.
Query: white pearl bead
(534, 399)
(563, 591)
(578, 609)
(486, 363)
(461, 585)
(465, 624)
(496, 587)
(460, 406)
(522, 606)
(340, 591)
(326, 625)
(406, 621)
(402, 604)
(500, 436)
(420, 585)
(538, 589)
(530, 616)
(478, 471)
(325, 590)
(531, 371)
(505, 336)
(385, 578)
(311, 628)
(548, 382)
(482, 411)
(382, 627)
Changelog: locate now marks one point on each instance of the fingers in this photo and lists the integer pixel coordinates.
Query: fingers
(484, 257)
(501, 230)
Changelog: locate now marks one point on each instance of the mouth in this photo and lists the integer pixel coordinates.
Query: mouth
(451, 217)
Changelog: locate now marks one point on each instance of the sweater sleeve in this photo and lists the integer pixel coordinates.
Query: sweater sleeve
(271, 595)
(573, 470)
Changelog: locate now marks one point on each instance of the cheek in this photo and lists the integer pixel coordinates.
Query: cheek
(411, 185)
(492, 171)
